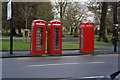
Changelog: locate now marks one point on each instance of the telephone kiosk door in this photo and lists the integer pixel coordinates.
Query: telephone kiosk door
(54, 39)
(86, 37)
(38, 37)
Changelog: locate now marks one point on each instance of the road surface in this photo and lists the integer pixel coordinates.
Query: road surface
(60, 67)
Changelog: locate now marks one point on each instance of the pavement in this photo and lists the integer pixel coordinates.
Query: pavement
(6, 54)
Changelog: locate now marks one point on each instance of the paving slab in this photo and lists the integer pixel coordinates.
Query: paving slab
(6, 54)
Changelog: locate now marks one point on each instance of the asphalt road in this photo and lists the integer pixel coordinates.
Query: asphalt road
(60, 67)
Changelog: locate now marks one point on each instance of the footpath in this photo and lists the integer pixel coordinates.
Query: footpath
(6, 54)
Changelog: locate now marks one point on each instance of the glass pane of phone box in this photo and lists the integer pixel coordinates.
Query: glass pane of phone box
(39, 43)
(56, 44)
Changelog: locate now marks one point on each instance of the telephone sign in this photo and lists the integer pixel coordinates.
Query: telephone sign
(9, 10)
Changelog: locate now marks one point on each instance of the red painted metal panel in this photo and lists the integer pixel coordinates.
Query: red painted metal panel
(86, 38)
(38, 37)
(54, 39)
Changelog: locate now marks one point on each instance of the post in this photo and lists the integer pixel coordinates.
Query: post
(11, 37)
(9, 17)
(115, 28)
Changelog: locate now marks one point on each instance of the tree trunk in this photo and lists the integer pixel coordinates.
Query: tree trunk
(106, 32)
(26, 21)
(61, 10)
(71, 32)
(19, 30)
(14, 33)
(102, 23)
(61, 14)
(76, 32)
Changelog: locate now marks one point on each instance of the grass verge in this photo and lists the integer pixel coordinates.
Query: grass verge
(98, 43)
(19, 46)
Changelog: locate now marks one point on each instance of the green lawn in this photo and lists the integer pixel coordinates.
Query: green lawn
(68, 36)
(26, 46)
(17, 46)
(98, 43)
(8, 37)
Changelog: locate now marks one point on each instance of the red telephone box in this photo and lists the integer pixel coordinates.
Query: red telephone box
(54, 39)
(38, 37)
(86, 37)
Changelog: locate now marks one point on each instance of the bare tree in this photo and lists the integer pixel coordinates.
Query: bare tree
(75, 13)
(61, 8)
(45, 11)
(25, 9)
(24, 13)
(95, 7)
